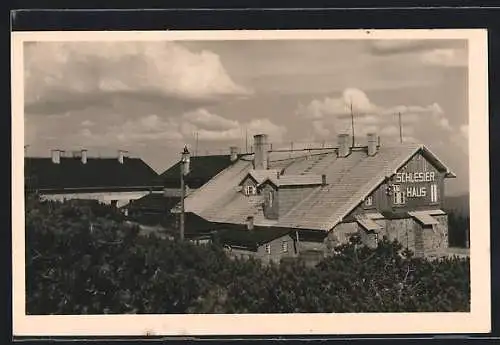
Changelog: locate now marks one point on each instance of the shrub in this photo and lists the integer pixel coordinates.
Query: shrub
(83, 260)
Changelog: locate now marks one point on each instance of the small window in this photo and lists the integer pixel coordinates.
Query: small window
(284, 246)
(369, 201)
(268, 248)
(250, 190)
(399, 198)
(271, 199)
(434, 193)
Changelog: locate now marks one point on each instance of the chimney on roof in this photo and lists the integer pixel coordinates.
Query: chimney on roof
(84, 156)
(121, 156)
(260, 154)
(250, 223)
(323, 180)
(372, 144)
(56, 156)
(233, 151)
(344, 145)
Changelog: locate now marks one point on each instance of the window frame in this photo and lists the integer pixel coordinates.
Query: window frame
(251, 188)
(402, 198)
(368, 201)
(434, 193)
(268, 248)
(284, 246)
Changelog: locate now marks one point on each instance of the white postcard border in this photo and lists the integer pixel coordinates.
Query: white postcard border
(477, 321)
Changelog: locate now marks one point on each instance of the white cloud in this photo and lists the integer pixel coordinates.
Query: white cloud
(87, 123)
(212, 127)
(391, 46)
(130, 133)
(206, 120)
(444, 57)
(333, 115)
(153, 129)
(165, 68)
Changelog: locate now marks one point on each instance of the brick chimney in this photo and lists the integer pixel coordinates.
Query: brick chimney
(372, 144)
(56, 156)
(233, 151)
(84, 156)
(260, 153)
(250, 223)
(344, 145)
(121, 156)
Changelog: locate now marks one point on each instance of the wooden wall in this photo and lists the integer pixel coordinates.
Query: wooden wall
(384, 202)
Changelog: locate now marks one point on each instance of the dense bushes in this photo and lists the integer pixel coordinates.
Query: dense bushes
(81, 262)
(458, 228)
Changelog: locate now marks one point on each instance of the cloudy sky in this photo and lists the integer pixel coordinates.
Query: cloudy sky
(152, 97)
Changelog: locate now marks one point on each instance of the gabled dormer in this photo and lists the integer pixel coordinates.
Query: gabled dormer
(251, 182)
(282, 192)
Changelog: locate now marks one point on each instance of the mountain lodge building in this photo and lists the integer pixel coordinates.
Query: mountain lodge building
(318, 198)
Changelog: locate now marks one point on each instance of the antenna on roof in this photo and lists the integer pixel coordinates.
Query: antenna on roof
(196, 144)
(352, 124)
(400, 129)
(246, 140)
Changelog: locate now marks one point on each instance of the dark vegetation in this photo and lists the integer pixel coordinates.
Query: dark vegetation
(83, 259)
(457, 208)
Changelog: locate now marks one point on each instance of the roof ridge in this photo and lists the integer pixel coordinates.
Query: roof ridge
(370, 186)
(214, 179)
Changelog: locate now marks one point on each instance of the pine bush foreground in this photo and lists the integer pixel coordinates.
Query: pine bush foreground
(86, 260)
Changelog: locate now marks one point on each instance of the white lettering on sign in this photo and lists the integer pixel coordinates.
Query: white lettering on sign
(416, 192)
(414, 177)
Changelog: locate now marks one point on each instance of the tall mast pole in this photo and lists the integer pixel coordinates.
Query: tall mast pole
(196, 144)
(352, 125)
(184, 170)
(246, 140)
(400, 128)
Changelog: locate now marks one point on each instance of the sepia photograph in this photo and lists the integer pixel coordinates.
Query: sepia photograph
(263, 174)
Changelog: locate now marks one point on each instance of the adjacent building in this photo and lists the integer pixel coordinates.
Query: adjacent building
(117, 180)
(156, 207)
(320, 197)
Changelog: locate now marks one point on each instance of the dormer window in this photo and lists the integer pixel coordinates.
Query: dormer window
(369, 201)
(250, 190)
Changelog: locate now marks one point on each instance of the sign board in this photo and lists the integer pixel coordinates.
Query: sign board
(413, 182)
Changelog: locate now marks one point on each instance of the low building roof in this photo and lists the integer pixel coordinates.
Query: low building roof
(153, 202)
(250, 238)
(97, 173)
(202, 169)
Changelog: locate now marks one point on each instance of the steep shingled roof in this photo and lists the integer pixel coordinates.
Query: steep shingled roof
(97, 173)
(349, 181)
(153, 202)
(250, 238)
(202, 169)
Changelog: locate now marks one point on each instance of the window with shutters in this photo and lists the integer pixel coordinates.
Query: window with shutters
(399, 198)
(284, 246)
(268, 248)
(434, 193)
(250, 190)
(369, 201)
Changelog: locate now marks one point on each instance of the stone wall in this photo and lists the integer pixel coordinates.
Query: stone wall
(422, 240)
